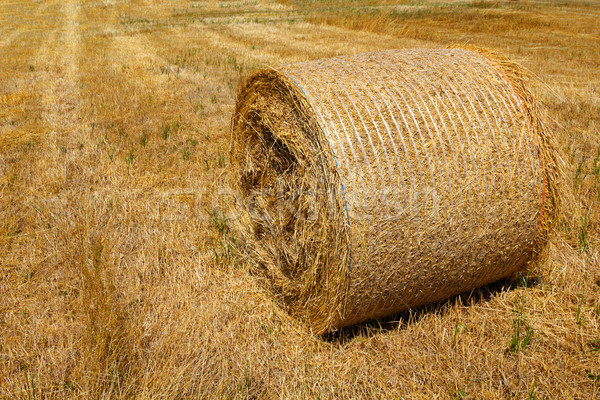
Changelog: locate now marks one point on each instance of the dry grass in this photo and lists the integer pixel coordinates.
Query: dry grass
(116, 279)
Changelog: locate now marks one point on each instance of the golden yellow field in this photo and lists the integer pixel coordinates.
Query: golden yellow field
(117, 274)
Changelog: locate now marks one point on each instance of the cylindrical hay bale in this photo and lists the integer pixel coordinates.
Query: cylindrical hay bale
(376, 183)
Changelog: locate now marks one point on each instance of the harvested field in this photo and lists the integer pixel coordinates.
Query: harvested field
(118, 271)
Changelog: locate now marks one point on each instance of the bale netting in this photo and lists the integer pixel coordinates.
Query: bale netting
(376, 183)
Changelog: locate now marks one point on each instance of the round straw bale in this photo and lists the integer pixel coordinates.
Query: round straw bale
(376, 183)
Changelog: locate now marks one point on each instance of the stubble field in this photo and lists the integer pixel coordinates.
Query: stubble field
(117, 273)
